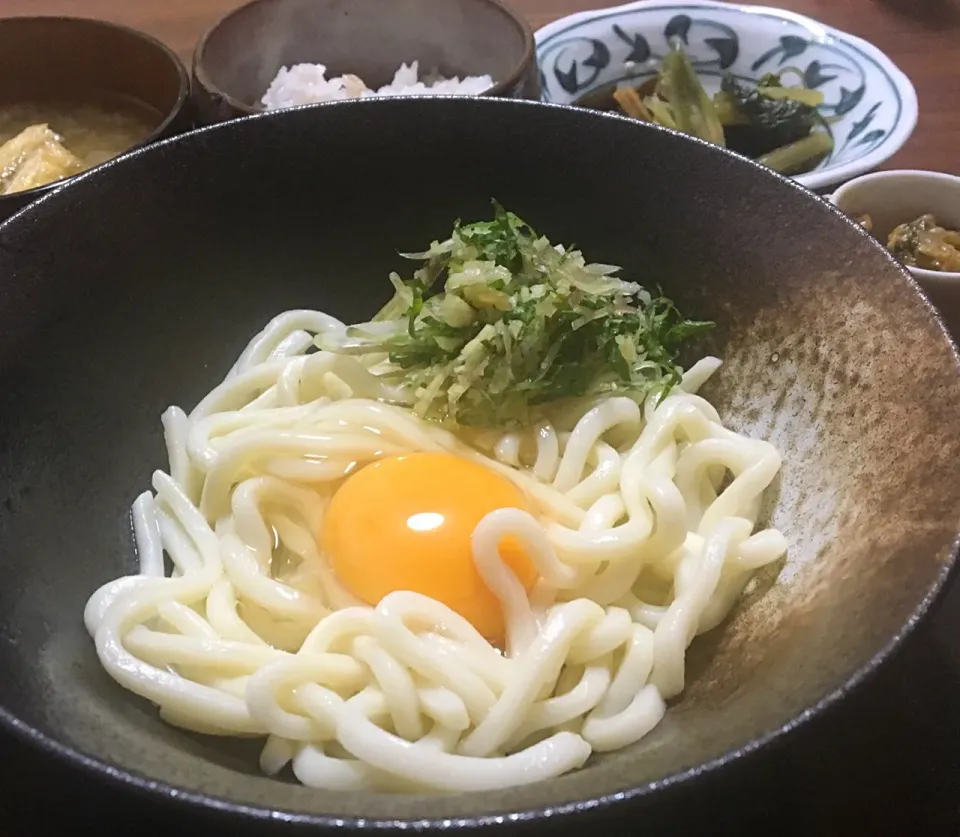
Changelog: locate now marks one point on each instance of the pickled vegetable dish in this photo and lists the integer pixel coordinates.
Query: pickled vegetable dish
(922, 243)
(772, 122)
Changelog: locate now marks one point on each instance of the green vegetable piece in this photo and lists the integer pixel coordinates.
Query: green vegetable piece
(799, 156)
(728, 111)
(766, 123)
(693, 110)
(803, 95)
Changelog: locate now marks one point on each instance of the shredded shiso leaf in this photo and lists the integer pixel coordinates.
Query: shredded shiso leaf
(520, 323)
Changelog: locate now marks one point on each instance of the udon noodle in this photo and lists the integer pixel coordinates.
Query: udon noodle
(235, 625)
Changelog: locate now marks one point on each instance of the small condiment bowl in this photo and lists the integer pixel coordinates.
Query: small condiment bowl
(239, 56)
(891, 198)
(55, 58)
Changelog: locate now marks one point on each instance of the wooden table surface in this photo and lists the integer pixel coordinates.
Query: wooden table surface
(921, 36)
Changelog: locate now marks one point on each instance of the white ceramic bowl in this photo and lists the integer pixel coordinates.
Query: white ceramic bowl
(893, 197)
(875, 101)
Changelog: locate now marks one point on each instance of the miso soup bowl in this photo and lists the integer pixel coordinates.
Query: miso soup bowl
(58, 57)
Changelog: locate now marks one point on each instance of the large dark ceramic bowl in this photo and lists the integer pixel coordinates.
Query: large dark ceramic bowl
(239, 56)
(55, 58)
(138, 285)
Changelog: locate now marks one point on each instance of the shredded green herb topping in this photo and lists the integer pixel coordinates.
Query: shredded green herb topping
(519, 323)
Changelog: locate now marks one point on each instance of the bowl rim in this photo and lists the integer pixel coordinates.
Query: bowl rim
(578, 810)
(202, 76)
(933, 277)
(183, 92)
(816, 179)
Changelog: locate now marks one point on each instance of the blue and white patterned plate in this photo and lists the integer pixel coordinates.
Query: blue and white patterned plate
(875, 102)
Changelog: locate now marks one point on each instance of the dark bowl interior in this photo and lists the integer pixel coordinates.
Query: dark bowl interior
(239, 56)
(56, 58)
(137, 286)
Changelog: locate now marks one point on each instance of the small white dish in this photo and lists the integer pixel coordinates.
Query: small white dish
(875, 101)
(895, 197)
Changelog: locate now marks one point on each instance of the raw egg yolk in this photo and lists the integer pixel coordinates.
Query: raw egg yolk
(405, 523)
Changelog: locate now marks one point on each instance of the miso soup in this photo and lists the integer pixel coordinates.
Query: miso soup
(45, 140)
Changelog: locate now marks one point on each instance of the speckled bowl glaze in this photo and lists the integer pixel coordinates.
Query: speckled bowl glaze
(871, 105)
(165, 263)
(238, 57)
